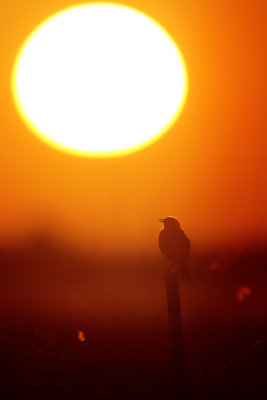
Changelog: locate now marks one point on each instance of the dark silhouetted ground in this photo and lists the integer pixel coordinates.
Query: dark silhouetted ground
(74, 327)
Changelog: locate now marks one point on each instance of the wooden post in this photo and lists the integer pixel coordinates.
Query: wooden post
(176, 335)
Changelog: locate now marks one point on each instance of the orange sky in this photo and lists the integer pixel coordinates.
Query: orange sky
(209, 170)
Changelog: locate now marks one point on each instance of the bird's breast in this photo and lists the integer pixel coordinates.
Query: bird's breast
(172, 244)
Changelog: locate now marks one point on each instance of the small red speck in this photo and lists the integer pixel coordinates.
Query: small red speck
(242, 293)
(257, 343)
(214, 266)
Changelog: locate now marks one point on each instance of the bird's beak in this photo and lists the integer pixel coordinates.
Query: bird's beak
(161, 220)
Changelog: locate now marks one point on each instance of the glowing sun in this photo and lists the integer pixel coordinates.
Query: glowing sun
(99, 80)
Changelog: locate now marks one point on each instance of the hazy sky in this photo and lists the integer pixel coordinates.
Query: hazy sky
(209, 170)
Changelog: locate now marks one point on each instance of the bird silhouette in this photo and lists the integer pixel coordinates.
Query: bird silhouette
(175, 245)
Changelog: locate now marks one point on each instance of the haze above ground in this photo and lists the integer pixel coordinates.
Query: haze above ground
(209, 170)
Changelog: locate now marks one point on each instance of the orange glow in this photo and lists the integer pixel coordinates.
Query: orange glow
(81, 336)
(208, 170)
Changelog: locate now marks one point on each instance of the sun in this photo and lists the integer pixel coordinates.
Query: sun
(99, 80)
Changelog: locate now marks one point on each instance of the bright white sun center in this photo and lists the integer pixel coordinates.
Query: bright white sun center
(99, 79)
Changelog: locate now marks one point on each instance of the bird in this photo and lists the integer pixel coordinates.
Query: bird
(175, 245)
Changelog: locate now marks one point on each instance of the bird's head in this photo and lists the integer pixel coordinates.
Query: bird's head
(170, 222)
